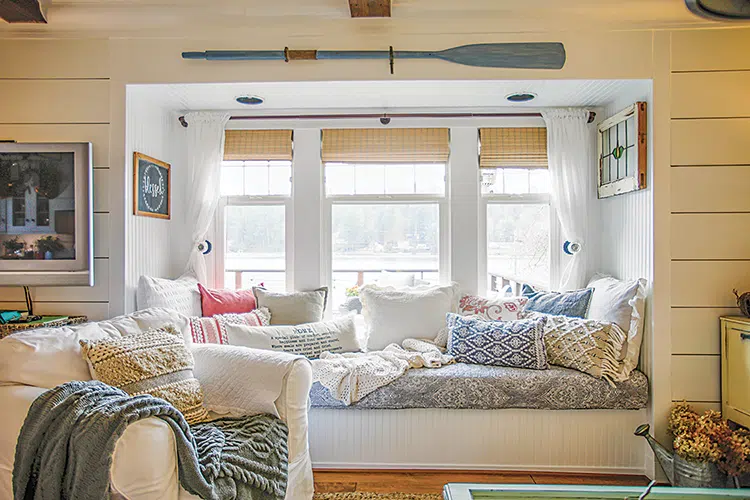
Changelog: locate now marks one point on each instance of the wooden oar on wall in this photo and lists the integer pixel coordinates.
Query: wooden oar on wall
(532, 55)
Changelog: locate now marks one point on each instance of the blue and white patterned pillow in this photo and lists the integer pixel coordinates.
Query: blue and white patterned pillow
(518, 344)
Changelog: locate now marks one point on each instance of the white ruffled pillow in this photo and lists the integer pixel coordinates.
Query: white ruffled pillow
(394, 315)
(181, 294)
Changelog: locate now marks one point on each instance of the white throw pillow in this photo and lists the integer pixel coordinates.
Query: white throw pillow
(310, 339)
(181, 294)
(622, 303)
(397, 280)
(393, 315)
(47, 357)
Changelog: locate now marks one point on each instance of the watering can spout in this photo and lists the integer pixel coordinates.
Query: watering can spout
(665, 457)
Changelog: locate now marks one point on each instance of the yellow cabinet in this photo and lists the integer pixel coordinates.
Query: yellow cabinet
(735, 369)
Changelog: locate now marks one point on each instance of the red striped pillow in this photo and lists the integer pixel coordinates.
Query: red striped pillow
(213, 330)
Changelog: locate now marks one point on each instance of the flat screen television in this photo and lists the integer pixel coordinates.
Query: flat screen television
(46, 214)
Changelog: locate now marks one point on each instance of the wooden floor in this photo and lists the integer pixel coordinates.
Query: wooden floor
(418, 481)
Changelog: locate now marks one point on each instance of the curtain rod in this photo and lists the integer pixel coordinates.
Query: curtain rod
(384, 118)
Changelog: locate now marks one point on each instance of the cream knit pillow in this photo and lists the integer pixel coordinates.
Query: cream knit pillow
(154, 362)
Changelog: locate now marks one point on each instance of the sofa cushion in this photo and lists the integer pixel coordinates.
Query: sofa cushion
(574, 304)
(218, 301)
(309, 339)
(621, 302)
(501, 343)
(181, 294)
(155, 362)
(213, 330)
(492, 309)
(465, 386)
(293, 308)
(47, 357)
(393, 315)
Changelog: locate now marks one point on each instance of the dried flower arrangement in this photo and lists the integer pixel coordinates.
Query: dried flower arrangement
(708, 438)
(352, 291)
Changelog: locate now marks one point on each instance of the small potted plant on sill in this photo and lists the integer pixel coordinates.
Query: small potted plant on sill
(48, 245)
(13, 246)
(353, 302)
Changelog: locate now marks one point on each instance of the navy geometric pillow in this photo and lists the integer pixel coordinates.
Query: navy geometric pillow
(518, 344)
(574, 304)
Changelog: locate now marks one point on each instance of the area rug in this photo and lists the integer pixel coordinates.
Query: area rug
(364, 495)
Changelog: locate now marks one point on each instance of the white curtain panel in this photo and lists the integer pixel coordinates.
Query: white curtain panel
(205, 150)
(572, 172)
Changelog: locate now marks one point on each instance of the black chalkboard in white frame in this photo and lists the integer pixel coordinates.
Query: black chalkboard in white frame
(152, 194)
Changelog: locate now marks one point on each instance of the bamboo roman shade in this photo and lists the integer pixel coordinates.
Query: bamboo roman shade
(513, 147)
(386, 145)
(257, 145)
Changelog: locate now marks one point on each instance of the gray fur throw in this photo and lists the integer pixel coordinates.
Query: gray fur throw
(68, 438)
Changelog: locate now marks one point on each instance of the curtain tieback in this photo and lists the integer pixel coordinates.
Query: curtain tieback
(572, 247)
(204, 247)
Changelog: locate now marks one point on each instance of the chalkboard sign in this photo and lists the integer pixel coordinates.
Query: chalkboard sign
(151, 184)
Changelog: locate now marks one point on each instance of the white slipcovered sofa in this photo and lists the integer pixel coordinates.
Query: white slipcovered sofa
(145, 462)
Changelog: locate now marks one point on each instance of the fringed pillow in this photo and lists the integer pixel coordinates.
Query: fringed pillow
(154, 362)
(213, 330)
(586, 345)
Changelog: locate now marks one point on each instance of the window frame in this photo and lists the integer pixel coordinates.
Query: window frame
(516, 199)
(441, 200)
(219, 236)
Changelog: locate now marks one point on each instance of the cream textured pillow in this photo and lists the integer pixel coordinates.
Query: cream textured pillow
(310, 339)
(586, 345)
(623, 303)
(154, 362)
(181, 294)
(293, 308)
(393, 315)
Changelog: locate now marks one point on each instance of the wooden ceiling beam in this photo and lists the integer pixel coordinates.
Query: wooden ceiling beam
(24, 11)
(370, 8)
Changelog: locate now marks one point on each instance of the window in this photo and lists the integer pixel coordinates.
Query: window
(19, 211)
(386, 192)
(515, 188)
(255, 195)
(42, 211)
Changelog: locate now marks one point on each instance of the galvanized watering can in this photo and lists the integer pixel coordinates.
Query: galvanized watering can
(685, 473)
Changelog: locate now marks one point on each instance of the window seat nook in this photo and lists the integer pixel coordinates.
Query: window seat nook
(469, 386)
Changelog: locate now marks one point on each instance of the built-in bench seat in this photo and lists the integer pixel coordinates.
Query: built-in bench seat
(466, 386)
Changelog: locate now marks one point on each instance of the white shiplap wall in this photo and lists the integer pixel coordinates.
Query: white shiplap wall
(710, 211)
(42, 100)
(151, 247)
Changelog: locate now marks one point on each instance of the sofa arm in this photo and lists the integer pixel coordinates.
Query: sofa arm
(240, 381)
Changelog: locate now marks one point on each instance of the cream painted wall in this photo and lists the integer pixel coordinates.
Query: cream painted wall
(75, 89)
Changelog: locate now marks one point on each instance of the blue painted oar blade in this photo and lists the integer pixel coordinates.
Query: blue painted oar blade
(536, 55)
(236, 55)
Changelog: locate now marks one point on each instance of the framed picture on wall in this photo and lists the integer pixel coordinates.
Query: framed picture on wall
(623, 153)
(151, 187)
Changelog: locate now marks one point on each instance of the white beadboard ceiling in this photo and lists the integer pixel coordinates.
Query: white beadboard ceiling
(300, 19)
(475, 95)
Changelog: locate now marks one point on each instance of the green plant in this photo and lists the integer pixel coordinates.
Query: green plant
(49, 244)
(13, 245)
(708, 438)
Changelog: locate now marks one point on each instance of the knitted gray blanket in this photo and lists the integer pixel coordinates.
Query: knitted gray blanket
(67, 441)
